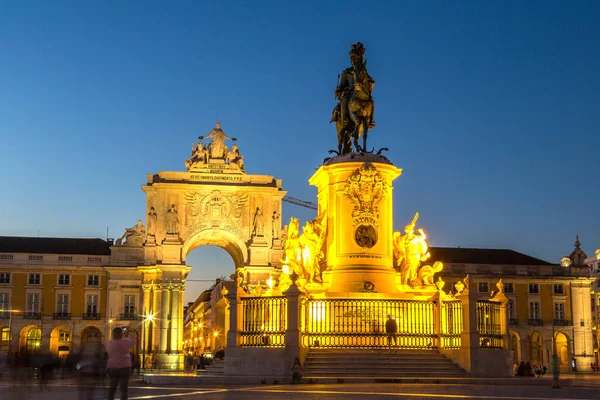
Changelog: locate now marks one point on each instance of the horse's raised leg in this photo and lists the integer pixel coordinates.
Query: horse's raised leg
(365, 123)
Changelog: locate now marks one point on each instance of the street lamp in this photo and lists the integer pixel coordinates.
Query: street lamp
(147, 318)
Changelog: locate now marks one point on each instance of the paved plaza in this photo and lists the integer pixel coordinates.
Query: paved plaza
(588, 389)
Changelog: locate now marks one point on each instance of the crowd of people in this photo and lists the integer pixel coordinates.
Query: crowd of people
(89, 366)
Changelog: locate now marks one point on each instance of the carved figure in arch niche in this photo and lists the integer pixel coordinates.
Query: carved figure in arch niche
(172, 220)
(274, 229)
(151, 222)
(259, 223)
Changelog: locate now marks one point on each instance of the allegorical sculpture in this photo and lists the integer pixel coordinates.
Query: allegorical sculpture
(133, 236)
(203, 154)
(217, 148)
(410, 250)
(353, 114)
(303, 253)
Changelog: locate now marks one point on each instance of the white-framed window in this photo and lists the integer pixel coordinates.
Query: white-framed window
(559, 310)
(511, 309)
(509, 287)
(93, 280)
(33, 302)
(62, 303)
(64, 279)
(34, 279)
(91, 304)
(558, 288)
(64, 336)
(534, 288)
(4, 277)
(129, 304)
(483, 287)
(534, 310)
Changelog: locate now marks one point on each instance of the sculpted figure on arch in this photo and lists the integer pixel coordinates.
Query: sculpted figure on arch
(133, 236)
(217, 148)
(172, 220)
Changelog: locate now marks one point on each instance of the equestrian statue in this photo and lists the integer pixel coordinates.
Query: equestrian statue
(353, 115)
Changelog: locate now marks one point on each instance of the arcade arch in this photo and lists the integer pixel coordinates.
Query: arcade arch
(91, 334)
(536, 356)
(561, 347)
(208, 263)
(30, 339)
(515, 346)
(60, 341)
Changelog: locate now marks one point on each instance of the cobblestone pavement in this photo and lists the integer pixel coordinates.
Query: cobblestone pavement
(67, 390)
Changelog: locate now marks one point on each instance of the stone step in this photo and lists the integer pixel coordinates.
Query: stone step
(363, 363)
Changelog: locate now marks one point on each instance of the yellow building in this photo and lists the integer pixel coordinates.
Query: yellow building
(53, 293)
(548, 307)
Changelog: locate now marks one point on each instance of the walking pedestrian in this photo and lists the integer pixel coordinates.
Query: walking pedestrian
(119, 362)
(391, 329)
(555, 372)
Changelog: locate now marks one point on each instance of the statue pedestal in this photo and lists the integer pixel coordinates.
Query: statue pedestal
(356, 192)
(150, 250)
(171, 249)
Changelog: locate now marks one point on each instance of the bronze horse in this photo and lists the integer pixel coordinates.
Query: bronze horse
(360, 107)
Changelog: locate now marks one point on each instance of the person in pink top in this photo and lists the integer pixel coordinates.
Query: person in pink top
(119, 362)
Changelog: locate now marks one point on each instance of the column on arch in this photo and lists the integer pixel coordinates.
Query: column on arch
(175, 317)
(147, 310)
(164, 318)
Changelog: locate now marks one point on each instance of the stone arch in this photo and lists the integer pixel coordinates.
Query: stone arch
(4, 337)
(536, 349)
(61, 341)
(515, 346)
(91, 334)
(30, 339)
(236, 248)
(561, 348)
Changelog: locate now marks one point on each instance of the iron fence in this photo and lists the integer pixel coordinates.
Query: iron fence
(352, 323)
(451, 324)
(264, 321)
(489, 324)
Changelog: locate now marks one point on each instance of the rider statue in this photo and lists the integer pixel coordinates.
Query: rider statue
(351, 81)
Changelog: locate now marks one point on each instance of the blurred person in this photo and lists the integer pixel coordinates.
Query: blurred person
(119, 362)
(89, 368)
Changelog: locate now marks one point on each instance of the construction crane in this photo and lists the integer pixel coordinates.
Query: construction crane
(301, 203)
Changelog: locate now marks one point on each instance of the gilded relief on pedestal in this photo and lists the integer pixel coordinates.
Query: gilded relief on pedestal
(215, 210)
(366, 188)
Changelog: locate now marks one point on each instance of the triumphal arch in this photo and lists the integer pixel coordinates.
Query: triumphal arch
(215, 202)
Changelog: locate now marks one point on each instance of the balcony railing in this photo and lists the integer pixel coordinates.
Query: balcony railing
(513, 321)
(32, 315)
(562, 322)
(91, 316)
(535, 321)
(130, 317)
(62, 315)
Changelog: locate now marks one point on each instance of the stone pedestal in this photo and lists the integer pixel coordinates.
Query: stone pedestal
(356, 192)
(171, 249)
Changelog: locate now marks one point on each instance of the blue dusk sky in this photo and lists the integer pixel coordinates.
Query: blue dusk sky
(491, 108)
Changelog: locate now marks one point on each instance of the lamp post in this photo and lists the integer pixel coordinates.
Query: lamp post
(147, 318)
